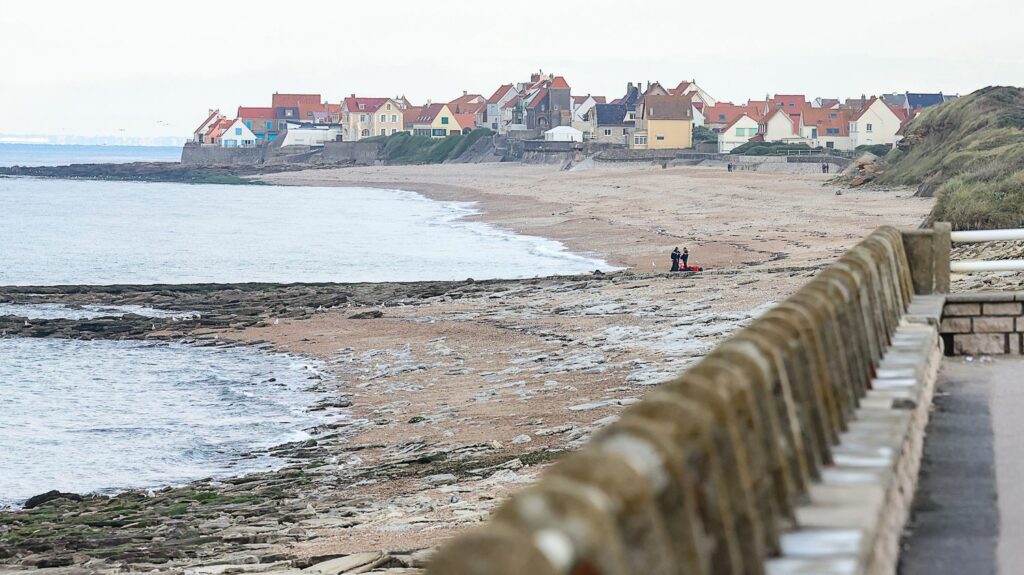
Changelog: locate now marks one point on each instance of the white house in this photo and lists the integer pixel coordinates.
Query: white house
(563, 134)
(495, 104)
(876, 123)
(696, 93)
(308, 134)
(698, 114)
(737, 133)
(199, 134)
(237, 135)
(779, 126)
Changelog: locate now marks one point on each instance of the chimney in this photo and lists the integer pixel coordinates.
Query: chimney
(353, 95)
(629, 86)
(465, 93)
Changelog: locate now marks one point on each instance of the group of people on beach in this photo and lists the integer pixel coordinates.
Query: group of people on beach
(679, 259)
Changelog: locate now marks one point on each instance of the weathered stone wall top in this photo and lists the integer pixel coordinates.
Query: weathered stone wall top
(704, 475)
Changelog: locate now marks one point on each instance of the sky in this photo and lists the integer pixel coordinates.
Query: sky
(153, 68)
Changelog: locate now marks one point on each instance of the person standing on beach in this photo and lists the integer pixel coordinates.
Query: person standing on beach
(675, 259)
(685, 256)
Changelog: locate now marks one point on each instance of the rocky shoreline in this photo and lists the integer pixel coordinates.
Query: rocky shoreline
(156, 172)
(415, 463)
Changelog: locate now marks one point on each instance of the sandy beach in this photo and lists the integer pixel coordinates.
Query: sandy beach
(460, 392)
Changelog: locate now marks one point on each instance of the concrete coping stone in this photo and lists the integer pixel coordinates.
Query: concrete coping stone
(989, 296)
(826, 566)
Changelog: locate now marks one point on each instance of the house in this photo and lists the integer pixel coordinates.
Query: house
(582, 107)
(217, 129)
(737, 132)
(610, 124)
(409, 115)
(695, 92)
(262, 122)
(237, 135)
(493, 113)
(875, 123)
(436, 121)
(921, 101)
(548, 103)
(826, 128)
(563, 134)
(368, 117)
(311, 134)
(472, 104)
(717, 117)
(303, 107)
(199, 134)
(779, 126)
(664, 121)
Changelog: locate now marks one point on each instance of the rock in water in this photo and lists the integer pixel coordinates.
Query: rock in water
(37, 500)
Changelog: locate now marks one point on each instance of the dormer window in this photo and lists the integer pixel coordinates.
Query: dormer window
(362, 106)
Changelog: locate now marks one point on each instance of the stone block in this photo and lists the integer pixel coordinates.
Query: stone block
(1020, 324)
(987, 324)
(956, 325)
(979, 344)
(962, 309)
(1001, 308)
(983, 296)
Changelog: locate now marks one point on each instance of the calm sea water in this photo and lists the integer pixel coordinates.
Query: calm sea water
(134, 414)
(52, 155)
(85, 232)
(139, 415)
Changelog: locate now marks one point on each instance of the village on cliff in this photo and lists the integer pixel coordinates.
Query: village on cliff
(647, 116)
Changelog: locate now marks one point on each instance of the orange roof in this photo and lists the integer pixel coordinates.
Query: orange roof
(218, 127)
(682, 87)
(538, 98)
(353, 104)
(410, 114)
(726, 112)
(791, 102)
(824, 118)
(256, 113)
(466, 120)
(295, 100)
(468, 99)
(470, 108)
(499, 93)
(559, 82)
(428, 113)
(205, 123)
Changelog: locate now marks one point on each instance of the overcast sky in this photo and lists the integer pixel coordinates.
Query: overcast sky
(153, 68)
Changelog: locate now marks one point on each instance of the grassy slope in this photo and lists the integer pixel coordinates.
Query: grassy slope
(970, 154)
(405, 148)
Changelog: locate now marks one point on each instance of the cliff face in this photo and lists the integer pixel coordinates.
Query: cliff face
(969, 153)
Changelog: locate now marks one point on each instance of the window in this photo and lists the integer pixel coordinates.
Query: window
(623, 131)
(830, 145)
(444, 120)
(248, 124)
(383, 132)
(362, 117)
(270, 125)
(607, 131)
(439, 132)
(832, 131)
(394, 117)
(366, 133)
(792, 105)
(238, 131)
(383, 117)
(389, 107)
(640, 140)
(869, 127)
(660, 138)
(832, 115)
(721, 117)
(394, 131)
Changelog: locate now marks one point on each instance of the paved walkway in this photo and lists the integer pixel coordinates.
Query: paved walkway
(968, 514)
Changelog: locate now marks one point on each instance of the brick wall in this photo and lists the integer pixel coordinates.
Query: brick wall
(983, 324)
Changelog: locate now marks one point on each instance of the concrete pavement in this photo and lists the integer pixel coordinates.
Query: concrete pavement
(968, 513)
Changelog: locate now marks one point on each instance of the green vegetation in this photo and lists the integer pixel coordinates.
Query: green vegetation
(704, 134)
(405, 148)
(970, 154)
(879, 150)
(771, 149)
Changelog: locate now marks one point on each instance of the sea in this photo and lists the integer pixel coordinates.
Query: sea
(104, 416)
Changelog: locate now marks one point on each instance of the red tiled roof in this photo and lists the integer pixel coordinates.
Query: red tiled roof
(256, 113)
(468, 99)
(678, 91)
(334, 108)
(470, 108)
(513, 102)
(559, 82)
(206, 121)
(829, 102)
(295, 100)
(538, 98)
(365, 105)
(824, 118)
(466, 120)
(730, 112)
(218, 127)
(410, 114)
(499, 93)
(791, 102)
(428, 113)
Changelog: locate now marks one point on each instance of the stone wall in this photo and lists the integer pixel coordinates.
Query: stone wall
(359, 153)
(984, 324)
(803, 429)
(197, 155)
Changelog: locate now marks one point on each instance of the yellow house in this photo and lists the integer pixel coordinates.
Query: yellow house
(436, 121)
(663, 122)
(368, 117)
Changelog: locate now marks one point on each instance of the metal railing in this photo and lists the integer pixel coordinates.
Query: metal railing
(981, 236)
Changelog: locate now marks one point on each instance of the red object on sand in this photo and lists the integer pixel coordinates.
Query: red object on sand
(691, 269)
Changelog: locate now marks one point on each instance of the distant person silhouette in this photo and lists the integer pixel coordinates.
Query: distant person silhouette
(675, 259)
(685, 256)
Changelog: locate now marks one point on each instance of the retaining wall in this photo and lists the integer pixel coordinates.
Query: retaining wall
(360, 153)
(793, 447)
(196, 155)
(984, 324)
